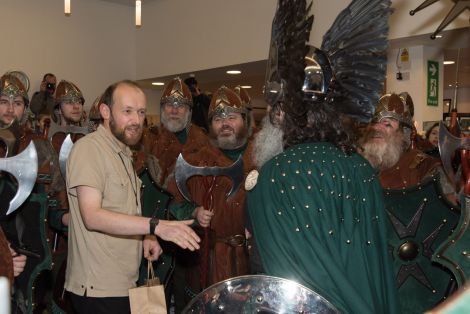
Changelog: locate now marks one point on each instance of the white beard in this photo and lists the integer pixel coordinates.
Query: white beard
(385, 154)
(267, 143)
(173, 125)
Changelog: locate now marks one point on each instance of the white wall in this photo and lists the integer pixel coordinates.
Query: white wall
(182, 36)
(99, 44)
(93, 47)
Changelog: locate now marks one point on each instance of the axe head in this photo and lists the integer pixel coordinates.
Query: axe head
(24, 167)
(448, 144)
(183, 171)
(65, 149)
(67, 129)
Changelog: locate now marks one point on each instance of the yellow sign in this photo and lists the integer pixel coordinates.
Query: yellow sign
(404, 56)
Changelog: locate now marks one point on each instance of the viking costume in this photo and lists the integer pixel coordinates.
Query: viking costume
(155, 163)
(163, 145)
(45, 208)
(26, 228)
(419, 216)
(225, 243)
(317, 210)
(413, 165)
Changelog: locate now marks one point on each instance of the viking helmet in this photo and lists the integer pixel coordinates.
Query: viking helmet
(243, 94)
(225, 101)
(318, 74)
(318, 79)
(94, 113)
(177, 93)
(11, 86)
(68, 92)
(399, 107)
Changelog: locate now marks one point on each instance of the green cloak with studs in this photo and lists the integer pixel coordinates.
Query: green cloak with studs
(318, 218)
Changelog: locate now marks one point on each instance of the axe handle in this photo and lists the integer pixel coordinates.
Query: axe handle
(465, 157)
(453, 125)
(45, 131)
(208, 203)
(209, 183)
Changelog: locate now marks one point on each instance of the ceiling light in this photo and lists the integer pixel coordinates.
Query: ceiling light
(246, 86)
(158, 83)
(233, 72)
(450, 85)
(138, 13)
(438, 36)
(67, 7)
(449, 62)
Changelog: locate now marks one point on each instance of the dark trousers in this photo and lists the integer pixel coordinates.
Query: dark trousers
(87, 305)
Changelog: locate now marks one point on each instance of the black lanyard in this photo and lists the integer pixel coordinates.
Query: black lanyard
(134, 189)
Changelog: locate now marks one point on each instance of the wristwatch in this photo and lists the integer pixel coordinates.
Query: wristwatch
(153, 222)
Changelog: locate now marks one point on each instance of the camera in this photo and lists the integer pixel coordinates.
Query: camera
(50, 86)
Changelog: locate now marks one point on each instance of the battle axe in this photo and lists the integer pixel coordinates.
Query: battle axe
(64, 153)
(183, 171)
(24, 168)
(448, 144)
(67, 129)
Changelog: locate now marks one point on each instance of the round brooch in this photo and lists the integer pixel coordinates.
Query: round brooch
(251, 179)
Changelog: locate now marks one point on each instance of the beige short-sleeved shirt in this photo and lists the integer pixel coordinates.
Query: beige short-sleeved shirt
(99, 264)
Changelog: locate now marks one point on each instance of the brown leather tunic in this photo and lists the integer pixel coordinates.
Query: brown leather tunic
(164, 146)
(6, 261)
(228, 221)
(411, 169)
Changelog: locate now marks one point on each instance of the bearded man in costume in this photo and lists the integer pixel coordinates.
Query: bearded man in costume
(386, 146)
(224, 218)
(155, 163)
(414, 184)
(13, 102)
(317, 210)
(175, 135)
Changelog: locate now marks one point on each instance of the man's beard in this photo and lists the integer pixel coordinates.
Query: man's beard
(120, 133)
(233, 141)
(268, 142)
(175, 125)
(386, 153)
